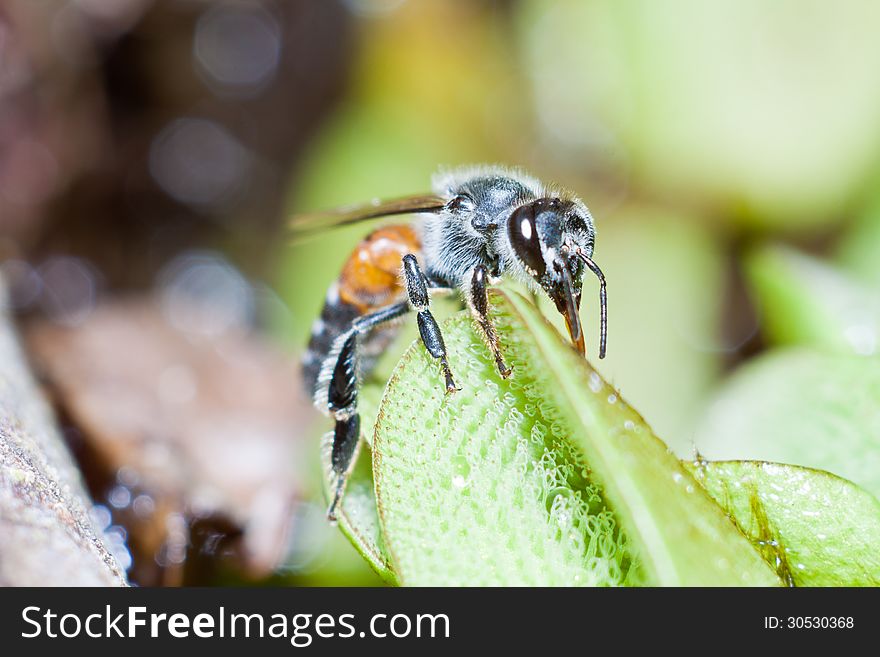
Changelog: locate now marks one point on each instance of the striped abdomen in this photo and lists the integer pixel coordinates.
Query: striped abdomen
(370, 280)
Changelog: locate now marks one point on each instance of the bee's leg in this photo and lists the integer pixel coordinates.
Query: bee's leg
(345, 440)
(417, 290)
(478, 300)
(342, 396)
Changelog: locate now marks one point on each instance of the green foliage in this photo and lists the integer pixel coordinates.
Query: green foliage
(802, 407)
(818, 529)
(858, 248)
(804, 301)
(549, 478)
(545, 478)
(811, 400)
(729, 103)
(485, 487)
(677, 141)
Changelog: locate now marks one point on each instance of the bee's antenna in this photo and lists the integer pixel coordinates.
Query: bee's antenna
(603, 300)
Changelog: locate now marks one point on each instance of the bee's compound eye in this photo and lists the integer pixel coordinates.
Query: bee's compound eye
(523, 232)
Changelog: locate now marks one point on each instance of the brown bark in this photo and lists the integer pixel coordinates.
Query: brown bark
(47, 537)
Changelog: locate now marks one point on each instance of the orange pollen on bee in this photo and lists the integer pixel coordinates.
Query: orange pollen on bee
(370, 278)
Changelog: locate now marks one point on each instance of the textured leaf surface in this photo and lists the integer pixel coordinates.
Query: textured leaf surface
(814, 528)
(513, 482)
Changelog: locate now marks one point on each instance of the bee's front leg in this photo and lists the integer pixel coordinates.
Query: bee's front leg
(417, 291)
(478, 301)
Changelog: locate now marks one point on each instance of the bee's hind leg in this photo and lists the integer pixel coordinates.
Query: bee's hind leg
(342, 397)
(478, 300)
(417, 291)
(345, 440)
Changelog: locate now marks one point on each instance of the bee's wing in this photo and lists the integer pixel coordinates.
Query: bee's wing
(304, 225)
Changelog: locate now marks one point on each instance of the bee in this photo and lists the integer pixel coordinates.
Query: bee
(480, 224)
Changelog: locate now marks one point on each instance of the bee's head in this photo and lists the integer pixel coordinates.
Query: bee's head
(553, 241)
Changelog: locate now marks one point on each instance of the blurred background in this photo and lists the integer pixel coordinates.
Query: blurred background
(151, 153)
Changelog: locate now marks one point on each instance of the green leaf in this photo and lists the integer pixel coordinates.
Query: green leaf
(514, 481)
(858, 248)
(801, 407)
(804, 301)
(816, 529)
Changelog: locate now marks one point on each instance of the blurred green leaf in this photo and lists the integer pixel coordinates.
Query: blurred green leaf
(859, 249)
(731, 104)
(513, 481)
(814, 528)
(801, 407)
(804, 301)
